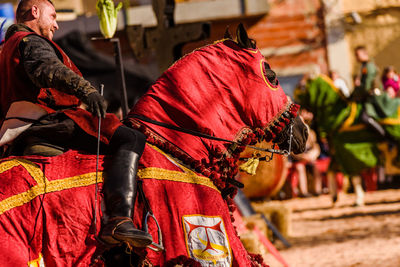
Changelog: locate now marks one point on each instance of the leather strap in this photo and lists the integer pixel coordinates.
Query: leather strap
(203, 135)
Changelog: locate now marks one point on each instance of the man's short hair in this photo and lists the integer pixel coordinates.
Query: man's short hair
(24, 6)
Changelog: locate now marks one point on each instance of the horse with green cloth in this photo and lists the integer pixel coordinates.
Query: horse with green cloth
(354, 147)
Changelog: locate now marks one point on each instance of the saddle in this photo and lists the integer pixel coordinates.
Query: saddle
(50, 136)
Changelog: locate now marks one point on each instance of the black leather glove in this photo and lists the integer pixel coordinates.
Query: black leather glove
(95, 104)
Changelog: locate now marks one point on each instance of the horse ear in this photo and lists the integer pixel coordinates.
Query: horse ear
(242, 37)
(227, 34)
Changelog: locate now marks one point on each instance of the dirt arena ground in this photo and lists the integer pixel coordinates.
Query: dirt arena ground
(343, 235)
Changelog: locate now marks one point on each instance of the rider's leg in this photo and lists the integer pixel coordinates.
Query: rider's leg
(126, 146)
(373, 124)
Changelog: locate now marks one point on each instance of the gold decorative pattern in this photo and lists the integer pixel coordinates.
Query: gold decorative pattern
(348, 127)
(188, 176)
(265, 80)
(175, 176)
(43, 184)
(392, 121)
(350, 120)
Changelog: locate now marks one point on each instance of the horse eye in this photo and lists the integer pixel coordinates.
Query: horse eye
(270, 74)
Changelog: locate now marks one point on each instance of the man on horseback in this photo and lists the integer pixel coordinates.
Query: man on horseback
(38, 78)
(365, 84)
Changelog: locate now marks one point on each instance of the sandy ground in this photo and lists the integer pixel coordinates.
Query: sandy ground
(343, 235)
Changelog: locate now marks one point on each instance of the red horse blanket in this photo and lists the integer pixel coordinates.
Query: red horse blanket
(46, 215)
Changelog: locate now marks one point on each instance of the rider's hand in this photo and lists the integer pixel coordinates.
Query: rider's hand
(96, 104)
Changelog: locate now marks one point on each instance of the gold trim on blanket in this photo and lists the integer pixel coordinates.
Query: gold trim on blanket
(175, 176)
(43, 184)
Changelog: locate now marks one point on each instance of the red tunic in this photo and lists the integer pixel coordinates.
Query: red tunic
(15, 85)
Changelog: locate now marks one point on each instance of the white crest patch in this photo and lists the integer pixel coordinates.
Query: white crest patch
(207, 241)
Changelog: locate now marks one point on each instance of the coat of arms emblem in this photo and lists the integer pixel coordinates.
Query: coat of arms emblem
(206, 240)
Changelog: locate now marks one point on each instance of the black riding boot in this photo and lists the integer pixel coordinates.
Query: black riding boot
(119, 196)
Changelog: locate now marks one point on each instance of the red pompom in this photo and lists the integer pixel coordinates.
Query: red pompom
(240, 149)
(206, 172)
(215, 175)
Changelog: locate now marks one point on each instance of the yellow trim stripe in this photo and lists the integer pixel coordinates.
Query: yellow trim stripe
(348, 127)
(265, 80)
(392, 121)
(354, 128)
(32, 168)
(188, 176)
(221, 40)
(43, 184)
(175, 176)
(50, 187)
(252, 50)
(350, 119)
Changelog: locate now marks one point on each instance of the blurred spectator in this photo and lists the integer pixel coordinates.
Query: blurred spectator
(340, 83)
(303, 162)
(366, 80)
(390, 81)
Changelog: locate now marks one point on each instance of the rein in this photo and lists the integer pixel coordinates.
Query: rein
(210, 137)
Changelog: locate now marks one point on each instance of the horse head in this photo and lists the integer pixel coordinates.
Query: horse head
(225, 90)
(299, 130)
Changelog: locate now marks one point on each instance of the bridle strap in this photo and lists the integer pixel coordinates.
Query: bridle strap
(210, 137)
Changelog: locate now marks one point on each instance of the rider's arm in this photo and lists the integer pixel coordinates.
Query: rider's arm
(46, 69)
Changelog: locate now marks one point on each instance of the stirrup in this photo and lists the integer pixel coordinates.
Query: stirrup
(154, 246)
(111, 234)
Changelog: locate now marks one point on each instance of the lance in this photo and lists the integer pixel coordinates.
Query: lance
(120, 72)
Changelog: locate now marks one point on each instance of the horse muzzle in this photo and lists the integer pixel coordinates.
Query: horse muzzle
(299, 137)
